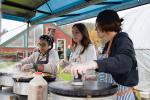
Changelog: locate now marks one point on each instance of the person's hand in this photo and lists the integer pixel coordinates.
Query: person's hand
(40, 67)
(18, 65)
(26, 67)
(63, 63)
(76, 68)
(68, 67)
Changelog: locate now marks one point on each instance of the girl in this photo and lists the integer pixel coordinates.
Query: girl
(118, 65)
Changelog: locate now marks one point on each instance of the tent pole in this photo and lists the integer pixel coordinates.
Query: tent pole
(27, 40)
(28, 23)
(0, 20)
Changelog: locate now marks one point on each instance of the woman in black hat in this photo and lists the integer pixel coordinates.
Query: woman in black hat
(118, 64)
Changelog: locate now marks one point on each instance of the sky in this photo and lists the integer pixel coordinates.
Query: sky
(12, 24)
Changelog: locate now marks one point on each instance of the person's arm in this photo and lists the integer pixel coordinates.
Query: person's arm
(53, 62)
(26, 63)
(122, 62)
(91, 54)
(29, 60)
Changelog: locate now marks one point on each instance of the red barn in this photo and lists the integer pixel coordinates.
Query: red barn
(62, 40)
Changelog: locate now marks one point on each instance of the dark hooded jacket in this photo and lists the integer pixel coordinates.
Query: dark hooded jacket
(121, 63)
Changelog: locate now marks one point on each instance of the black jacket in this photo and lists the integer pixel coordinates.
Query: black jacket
(121, 63)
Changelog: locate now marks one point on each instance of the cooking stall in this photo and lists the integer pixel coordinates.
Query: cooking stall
(15, 86)
(36, 13)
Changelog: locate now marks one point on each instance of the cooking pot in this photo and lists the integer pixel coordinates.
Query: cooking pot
(6, 79)
(21, 84)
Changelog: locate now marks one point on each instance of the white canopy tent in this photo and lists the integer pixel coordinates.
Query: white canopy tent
(137, 25)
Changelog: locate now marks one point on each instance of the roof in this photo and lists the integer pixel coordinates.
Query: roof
(61, 11)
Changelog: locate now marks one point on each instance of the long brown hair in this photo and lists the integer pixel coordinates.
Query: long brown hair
(85, 34)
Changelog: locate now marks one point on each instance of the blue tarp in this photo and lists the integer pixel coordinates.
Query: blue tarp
(64, 11)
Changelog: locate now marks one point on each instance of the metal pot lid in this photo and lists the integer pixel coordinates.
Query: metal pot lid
(90, 88)
(24, 79)
(23, 76)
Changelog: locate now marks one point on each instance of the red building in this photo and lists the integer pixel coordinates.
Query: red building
(59, 34)
(62, 40)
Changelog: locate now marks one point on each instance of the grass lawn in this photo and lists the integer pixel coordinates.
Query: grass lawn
(6, 64)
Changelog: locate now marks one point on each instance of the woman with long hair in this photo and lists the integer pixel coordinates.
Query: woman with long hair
(82, 48)
(118, 62)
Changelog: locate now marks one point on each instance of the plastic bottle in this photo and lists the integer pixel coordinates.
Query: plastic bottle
(38, 88)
